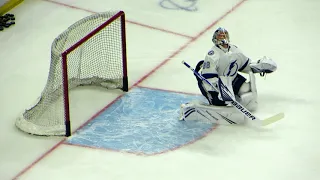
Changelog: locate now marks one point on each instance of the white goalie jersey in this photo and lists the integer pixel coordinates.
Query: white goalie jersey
(225, 64)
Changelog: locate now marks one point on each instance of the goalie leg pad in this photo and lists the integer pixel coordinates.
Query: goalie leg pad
(248, 94)
(249, 100)
(198, 111)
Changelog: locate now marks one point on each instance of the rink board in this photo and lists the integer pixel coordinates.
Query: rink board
(143, 121)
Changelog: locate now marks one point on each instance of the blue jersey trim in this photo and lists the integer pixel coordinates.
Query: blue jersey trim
(245, 65)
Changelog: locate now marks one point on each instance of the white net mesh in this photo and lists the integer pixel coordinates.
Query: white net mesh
(97, 61)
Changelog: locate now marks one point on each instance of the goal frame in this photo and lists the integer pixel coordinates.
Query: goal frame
(64, 56)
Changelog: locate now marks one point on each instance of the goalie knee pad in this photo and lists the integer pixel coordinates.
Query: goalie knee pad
(249, 100)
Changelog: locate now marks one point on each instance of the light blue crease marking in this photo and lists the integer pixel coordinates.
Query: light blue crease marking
(142, 121)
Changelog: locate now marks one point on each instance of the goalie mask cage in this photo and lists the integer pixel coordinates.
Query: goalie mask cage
(92, 51)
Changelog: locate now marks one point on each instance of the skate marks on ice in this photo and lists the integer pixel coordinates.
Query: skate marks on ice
(144, 121)
(186, 5)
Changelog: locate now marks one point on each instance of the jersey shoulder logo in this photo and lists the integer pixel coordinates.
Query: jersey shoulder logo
(211, 52)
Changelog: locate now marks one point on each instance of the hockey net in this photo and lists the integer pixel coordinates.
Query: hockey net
(92, 51)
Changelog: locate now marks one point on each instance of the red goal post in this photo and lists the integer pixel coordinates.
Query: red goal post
(92, 51)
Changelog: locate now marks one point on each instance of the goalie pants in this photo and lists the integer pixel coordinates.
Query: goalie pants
(212, 97)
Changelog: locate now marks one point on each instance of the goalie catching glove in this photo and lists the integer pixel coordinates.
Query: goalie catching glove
(263, 66)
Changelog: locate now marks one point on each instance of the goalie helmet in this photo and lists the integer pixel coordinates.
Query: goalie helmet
(221, 37)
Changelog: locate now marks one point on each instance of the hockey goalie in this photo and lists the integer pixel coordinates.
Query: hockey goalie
(221, 67)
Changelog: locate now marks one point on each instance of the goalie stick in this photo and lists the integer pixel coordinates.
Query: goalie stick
(224, 90)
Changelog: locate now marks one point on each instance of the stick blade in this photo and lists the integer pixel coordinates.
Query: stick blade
(272, 119)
